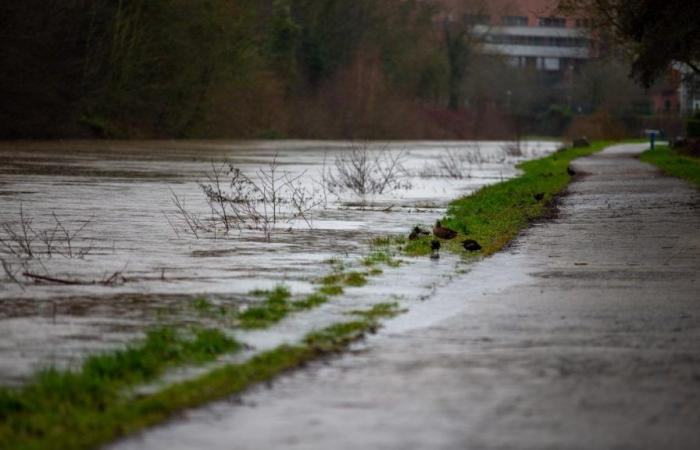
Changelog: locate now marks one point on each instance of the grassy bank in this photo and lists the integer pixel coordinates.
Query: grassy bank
(81, 410)
(674, 163)
(495, 214)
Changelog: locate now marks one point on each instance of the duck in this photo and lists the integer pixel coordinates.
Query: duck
(435, 247)
(443, 232)
(416, 233)
(570, 171)
(471, 245)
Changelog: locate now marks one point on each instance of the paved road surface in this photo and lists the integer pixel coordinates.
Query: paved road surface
(584, 335)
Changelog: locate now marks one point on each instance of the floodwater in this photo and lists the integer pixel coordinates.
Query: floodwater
(583, 334)
(134, 265)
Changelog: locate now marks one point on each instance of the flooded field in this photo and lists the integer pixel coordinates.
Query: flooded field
(108, 253)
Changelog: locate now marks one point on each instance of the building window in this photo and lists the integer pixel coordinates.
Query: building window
(554, 22)
(514, 21)
(477, 19)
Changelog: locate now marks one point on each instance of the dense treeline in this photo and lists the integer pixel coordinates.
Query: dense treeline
(241, 68)
(270, 68)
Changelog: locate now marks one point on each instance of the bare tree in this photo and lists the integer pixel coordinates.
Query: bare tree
(365, 174)
(261, 202)
(20, 239)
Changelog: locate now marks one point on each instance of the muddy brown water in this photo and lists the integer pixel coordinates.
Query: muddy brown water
(123, 189)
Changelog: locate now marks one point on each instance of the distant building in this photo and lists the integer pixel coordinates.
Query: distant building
(529, 33)
(688, 91)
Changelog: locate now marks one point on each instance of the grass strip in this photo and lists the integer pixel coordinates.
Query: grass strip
(674, 163)
(55, 401)
(495, 214)
(81, 411)
(278, 305)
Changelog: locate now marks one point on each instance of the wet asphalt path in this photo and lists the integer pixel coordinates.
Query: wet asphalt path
(583, 335)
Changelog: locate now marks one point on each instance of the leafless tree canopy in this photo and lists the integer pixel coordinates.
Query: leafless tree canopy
(262, 201)
(364, 173)
(21, 239)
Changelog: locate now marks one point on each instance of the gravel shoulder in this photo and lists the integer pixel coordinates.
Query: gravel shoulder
(585, 333)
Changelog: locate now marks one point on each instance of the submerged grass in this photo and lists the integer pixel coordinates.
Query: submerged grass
(331, 290)
(275, 307)
(382, 256)
(355, 279)
(495, 214)
(55, 402)
(674, 163)
(335, 281)
(81, 410)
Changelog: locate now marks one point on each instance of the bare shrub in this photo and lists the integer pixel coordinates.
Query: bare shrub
(513, 149)
(20, 239)
(362, 173)
(457, 164)
(12, 271)
(241, 202)
(192, 222)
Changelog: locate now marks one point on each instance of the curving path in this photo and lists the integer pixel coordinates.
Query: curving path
(585, 334)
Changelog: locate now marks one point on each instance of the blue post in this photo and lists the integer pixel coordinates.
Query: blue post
(652, 137)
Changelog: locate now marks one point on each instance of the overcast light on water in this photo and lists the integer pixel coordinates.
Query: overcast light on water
(118, 197)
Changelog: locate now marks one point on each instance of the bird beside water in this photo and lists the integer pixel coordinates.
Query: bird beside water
(443, 232)
(471, 245)
(416, 233)
(435, 247)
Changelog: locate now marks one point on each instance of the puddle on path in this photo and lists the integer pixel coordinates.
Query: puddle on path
(124, 190)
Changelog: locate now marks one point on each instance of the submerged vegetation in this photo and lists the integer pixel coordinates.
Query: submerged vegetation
(494, 215)
(674, 163)
(81, 410)
(276, 306)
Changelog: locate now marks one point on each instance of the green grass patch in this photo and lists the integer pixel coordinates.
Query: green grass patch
(274, 308)
(383, 242)
(355, 279)
(383, 256)
(335, 280)
(495, 214)
(328, 280)
(58, 404)
(74, 411)
(674, 163)
(202, 305)
(331, 290)
(310, 302)
(379, 311)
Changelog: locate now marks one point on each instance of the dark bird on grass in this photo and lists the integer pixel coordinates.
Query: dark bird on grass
(443, 232)
(471, 245)
(570, 171)
(416, 233)
(539, 196)
(435, 247)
